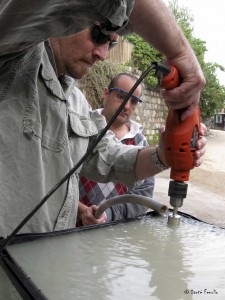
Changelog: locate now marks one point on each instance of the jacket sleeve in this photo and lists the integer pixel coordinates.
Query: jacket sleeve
(111, 161)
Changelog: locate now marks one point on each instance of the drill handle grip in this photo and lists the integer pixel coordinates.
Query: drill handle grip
(171, 80)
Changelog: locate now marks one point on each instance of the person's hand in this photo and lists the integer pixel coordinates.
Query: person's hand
(187, 94)
(87, 216)
(200, 145)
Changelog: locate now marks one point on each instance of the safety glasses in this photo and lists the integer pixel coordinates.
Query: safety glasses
(100, 38)
(121, 94)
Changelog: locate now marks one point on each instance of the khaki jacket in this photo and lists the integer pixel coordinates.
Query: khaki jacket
(46, 126)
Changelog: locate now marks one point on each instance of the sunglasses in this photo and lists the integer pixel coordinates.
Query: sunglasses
(100, 38)
(121, 95)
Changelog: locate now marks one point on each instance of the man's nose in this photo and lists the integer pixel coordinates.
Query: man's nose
(101, 51)
(127, 105)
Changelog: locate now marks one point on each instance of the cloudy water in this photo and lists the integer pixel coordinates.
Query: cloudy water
(142, 259)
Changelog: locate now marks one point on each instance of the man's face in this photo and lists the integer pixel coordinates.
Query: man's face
(74, 55)
(113, 99)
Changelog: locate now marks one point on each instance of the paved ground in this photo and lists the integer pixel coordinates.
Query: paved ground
(206, 187)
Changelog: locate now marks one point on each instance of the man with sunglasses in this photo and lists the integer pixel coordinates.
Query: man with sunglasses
(46, 123)
(128, 132)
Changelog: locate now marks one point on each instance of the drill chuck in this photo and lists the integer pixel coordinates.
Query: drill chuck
(177, 192)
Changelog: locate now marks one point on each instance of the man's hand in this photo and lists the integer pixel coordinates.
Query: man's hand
(201, 143)
(86, 215)
(187, 94)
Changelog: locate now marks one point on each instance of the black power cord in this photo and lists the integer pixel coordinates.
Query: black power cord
(161, 68)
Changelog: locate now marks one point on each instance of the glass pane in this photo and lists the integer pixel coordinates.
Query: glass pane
(143, 259)
(7, 290)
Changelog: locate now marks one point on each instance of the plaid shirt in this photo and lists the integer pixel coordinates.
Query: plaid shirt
(92, 193)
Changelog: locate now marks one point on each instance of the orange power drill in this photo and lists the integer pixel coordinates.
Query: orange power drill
(180, 146)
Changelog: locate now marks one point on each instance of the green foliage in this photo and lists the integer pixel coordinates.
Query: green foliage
(98, 78)
(143, 55)
(183, 16)
(213, 96)
(152, 139)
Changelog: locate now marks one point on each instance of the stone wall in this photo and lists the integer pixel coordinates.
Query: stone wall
(152, 112)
